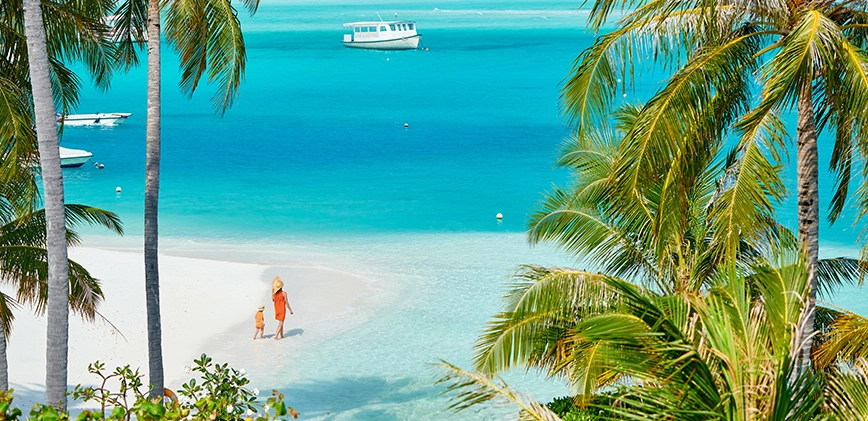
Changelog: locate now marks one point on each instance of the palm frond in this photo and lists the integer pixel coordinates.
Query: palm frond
(846, 340)
(750, 188)
(472, 389)
(130, 33)
(541, 302)
(659, 29)
(7, 315)
(207, 35)
(847, 396)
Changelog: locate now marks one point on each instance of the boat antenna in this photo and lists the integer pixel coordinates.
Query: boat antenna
(381, 18)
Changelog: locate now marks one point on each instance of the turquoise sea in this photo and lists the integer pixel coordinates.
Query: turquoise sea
(314, 163)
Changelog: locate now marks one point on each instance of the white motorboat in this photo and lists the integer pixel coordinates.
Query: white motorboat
(72, 158)
(109, 119)
(396, 35)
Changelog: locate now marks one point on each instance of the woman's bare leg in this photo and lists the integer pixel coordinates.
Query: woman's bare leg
(279, 333)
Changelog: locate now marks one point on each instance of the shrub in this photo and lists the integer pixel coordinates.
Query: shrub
(219, 395)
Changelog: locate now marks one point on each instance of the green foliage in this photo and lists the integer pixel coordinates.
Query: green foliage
(219, 395)
(573, 408)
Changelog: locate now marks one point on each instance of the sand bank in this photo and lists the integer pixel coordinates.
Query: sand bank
(207, 307)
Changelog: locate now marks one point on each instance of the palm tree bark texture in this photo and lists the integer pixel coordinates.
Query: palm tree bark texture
(809, 207)
(152, 190)
(52, 181)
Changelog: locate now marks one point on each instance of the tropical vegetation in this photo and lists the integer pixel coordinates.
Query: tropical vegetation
(24, 267)
(736, 67)
(210, 42)
(694, 299)
(221, 394)
(33, 90)
(208, 37)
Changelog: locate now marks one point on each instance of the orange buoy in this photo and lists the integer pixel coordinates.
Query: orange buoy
(169, 394)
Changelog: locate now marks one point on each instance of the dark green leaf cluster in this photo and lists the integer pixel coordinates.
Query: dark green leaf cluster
(221, 396)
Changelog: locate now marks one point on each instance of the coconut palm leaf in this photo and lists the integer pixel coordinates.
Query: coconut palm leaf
(581, 229)
(846, 341)
(30, 229)
(750, 188)
(542, 301)
(7, 315)
(473, 389)
(207, 35)
(847, 395)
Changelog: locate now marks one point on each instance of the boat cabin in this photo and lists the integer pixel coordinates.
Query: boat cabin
(373, 31)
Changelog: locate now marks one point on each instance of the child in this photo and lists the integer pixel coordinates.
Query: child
(260, 322)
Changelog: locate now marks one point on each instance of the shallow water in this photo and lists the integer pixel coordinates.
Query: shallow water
(314, 163)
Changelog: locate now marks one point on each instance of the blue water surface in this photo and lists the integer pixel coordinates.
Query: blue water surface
(315, 154)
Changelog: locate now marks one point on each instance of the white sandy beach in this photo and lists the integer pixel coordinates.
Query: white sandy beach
(208, 306)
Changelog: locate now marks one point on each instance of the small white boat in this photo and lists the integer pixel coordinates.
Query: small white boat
(109, 119)
(397, 35)
(72, 158)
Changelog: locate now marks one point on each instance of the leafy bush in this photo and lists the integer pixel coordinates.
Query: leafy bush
(565, 407)
(219, 395)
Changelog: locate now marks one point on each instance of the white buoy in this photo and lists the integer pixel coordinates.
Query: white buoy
(499, 216)
(406, 125)
(619, 80)
(624, 96)
(118, 190)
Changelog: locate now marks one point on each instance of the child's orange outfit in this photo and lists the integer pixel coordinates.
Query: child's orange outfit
(260, 320)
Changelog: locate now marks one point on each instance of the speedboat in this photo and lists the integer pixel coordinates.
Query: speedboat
(396, 35)
(109, 119)
(73, 158)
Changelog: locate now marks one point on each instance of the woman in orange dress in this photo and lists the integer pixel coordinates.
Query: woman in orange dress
(281, 304)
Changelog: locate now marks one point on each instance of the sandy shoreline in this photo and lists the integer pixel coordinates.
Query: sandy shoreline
(207, 307)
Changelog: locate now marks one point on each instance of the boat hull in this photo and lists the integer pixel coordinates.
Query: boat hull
(73, 158)
(95, 119)
(73, 162)
(407, 43)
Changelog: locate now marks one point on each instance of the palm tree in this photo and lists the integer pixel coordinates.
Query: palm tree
(69, 42)
(726, 353)
(24, 266)
(677, 317)
(207, 35)
(807, 57)
(698, 217)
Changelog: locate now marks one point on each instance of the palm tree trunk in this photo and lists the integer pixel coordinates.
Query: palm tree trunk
(809, 209)
(152, 190)
(52, 183)
(4, 365)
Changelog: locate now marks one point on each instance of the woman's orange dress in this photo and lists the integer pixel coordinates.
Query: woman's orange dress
(279, 299)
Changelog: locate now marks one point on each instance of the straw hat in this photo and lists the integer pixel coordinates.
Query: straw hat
(261, 307)
(276, 284)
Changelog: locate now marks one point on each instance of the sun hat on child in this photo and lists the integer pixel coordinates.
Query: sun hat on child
(276, 284)
(261, 307)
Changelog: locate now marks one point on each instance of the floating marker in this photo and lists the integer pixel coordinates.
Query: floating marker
(624, 96)
(118, 190)
(499, 216)
(406, 125)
